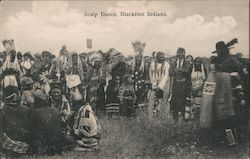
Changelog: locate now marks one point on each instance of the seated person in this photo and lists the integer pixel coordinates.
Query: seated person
(58, 100)
(86, 130)
(47, 129)
(15, 121)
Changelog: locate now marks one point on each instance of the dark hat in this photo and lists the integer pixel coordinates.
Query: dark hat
(181, 50)
(28, 54)
(221, 45)
(83, 55)
(47, 54)
(190, 56)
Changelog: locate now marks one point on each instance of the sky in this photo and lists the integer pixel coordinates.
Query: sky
(194, 25)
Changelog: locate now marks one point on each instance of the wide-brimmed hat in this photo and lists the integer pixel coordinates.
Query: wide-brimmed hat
(221, 45)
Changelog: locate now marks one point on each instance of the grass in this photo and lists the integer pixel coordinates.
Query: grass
(150, 138)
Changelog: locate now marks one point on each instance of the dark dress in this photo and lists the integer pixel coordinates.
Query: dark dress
(112, 100)
(181, 88)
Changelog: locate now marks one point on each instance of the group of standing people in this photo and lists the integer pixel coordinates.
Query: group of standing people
(49, 101)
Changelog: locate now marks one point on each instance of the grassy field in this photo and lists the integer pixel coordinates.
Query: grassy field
(144, 138)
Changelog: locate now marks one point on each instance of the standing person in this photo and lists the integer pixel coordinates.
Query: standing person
(2, 58)
(228, 92)
(36, 67)
(138, 72)
(112, 99)
(181, 88)
(10, 71)
(96, 82)
(26, 64)
(159, 77)
(198, 77)
(74, 80)
(44, 78)
(127, 97)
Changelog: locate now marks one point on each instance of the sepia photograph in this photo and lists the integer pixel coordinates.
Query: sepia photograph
(124, 79)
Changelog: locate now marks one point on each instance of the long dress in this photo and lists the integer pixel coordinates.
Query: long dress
(207, 105)
(181, 89)
(112, 99)
(95, 91)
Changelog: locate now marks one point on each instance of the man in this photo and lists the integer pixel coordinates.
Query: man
(159, 77)
(228, 92)
(16, 122)
(181, 88)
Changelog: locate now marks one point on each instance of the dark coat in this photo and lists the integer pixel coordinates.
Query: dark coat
(16, 122)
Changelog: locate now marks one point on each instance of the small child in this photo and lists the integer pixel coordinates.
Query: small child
(127, 97)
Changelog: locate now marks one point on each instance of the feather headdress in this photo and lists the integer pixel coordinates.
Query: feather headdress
(9, 45)
(138, 46)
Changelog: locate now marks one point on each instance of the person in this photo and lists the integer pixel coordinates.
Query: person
(44, 79)
(47, 135)
(36, 67)
(96, 82)
(198, 76)
(228, 93)
(11, 71)
(86, 131)
(159, 77)
(2, 58)
(16, 123)
(59, 101)
(181, 88)
(112, 99)
(127, 97)
(74, 82)
(138, 71)
(26, 64)
(27, 92)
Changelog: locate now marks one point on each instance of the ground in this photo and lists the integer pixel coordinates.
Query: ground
(145, 138)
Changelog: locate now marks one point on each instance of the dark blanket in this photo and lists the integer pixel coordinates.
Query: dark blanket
(16, 123)
(47, 130)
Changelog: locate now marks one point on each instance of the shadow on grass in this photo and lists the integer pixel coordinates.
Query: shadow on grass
(142, 137)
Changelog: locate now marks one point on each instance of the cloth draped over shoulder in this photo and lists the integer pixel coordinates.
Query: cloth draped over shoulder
(87, 128)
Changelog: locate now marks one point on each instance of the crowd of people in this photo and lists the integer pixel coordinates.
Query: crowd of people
(49, 102)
